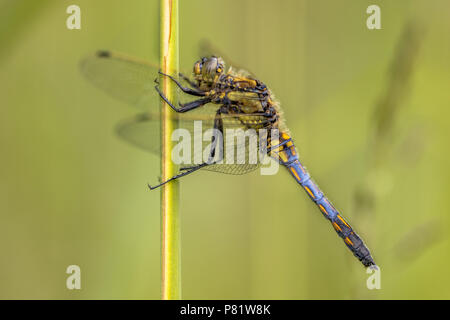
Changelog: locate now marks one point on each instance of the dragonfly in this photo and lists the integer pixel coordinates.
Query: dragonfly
(221, 99)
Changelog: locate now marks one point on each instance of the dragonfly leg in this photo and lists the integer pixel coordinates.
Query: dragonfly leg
(218, 125)
(191, 83)
(187, 90)
(178, 176)
(183, 107)
(193, 104)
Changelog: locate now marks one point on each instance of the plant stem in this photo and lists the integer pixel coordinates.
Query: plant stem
(170, 219)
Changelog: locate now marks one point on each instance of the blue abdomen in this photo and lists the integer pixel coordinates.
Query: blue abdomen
(287, 155)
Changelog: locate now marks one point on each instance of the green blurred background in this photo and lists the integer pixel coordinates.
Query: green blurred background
(368, 110)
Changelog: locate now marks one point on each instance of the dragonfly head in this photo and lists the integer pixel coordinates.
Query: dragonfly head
(208, 69)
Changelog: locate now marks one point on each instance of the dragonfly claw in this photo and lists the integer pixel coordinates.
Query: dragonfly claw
(157, 186)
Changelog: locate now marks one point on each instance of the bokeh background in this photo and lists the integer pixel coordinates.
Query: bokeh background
(368, 109)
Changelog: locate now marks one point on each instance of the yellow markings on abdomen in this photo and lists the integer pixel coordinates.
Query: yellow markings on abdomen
(283, 156)
(343, 221)
(292, 149)
(321, 207)
(309, 192)
(335, 225)
(285, 136)
(348, 241)
(294, 172)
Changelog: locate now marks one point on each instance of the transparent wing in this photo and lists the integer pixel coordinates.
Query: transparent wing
(132, 80)
(239, 151)
(128, 79)
(142, 131)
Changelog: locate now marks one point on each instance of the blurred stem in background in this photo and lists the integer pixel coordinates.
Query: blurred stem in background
(170, 219)
(384, 117)
(15, 18)
(377, 181)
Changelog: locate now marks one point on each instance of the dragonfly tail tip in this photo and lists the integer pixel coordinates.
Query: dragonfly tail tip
(373, 267)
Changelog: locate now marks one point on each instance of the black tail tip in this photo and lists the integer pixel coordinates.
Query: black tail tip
(372, 266)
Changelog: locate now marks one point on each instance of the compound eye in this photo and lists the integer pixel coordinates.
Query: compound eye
(198, 68)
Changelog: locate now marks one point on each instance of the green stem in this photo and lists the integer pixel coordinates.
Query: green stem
(170, 219)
